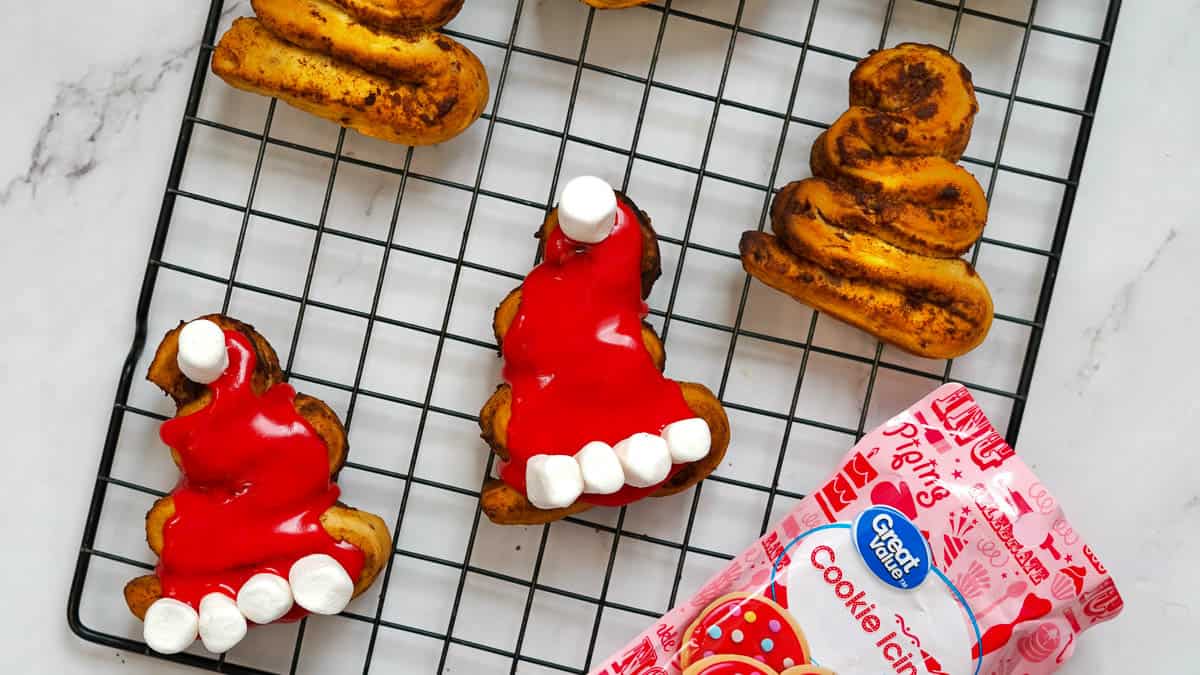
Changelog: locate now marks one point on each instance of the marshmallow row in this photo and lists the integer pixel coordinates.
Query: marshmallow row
(642, 460)
(316, 582)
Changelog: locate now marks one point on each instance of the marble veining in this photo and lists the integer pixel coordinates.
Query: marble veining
(1115, 318)
(99, 104)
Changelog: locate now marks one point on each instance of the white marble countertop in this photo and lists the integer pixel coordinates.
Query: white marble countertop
(94, 95)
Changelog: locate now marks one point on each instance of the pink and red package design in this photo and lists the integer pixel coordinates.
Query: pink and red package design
(932, 550)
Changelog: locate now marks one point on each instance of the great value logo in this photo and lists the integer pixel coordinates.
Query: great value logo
(892, 547)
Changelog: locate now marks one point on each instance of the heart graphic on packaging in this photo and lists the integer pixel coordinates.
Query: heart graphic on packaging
(900, 498)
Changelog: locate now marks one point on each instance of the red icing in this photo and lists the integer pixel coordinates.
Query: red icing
(770, 621)
(575, 358)
(255, 483)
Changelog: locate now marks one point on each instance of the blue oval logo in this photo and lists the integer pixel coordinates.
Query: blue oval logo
(892, 547)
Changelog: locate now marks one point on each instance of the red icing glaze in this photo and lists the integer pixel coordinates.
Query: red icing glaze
(255, 483)
(575, 358)
(742, 624)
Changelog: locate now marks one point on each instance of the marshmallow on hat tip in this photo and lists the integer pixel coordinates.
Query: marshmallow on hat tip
(688, 440)
(602, 472)
(170, 626)
(222, 625)
(644, 458)
(587, 210)
(265, 597)
(552, 481)
(202, 355)
(320, 584)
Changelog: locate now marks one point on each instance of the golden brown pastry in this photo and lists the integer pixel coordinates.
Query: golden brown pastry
(873, 239)
(590, 370)
(256, 502)
(403, 16)
(614, 4)
(378, 66)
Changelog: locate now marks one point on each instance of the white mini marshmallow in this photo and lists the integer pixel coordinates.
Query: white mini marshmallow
(202, 354)
(170, 626)
(587, 210)
(644, 458)
(265, 597)
(688, 440)
(602, 472)
(221, 623)
(320, 584)
(552, 481)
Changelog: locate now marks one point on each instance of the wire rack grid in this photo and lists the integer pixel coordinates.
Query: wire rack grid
(374, 268)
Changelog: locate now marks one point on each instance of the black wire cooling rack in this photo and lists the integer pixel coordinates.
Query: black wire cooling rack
(560, 598)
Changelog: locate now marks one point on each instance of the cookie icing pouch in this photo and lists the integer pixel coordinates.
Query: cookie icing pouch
(932, 550)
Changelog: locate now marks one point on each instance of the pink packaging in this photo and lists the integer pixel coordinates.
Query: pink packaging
(933, 550)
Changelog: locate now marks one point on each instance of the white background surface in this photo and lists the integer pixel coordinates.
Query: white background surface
(92, 106)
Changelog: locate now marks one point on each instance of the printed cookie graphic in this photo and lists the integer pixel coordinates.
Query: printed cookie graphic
(254, 531)
(586, 417)
(741, 665)
(729, 665)
(752, 626)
